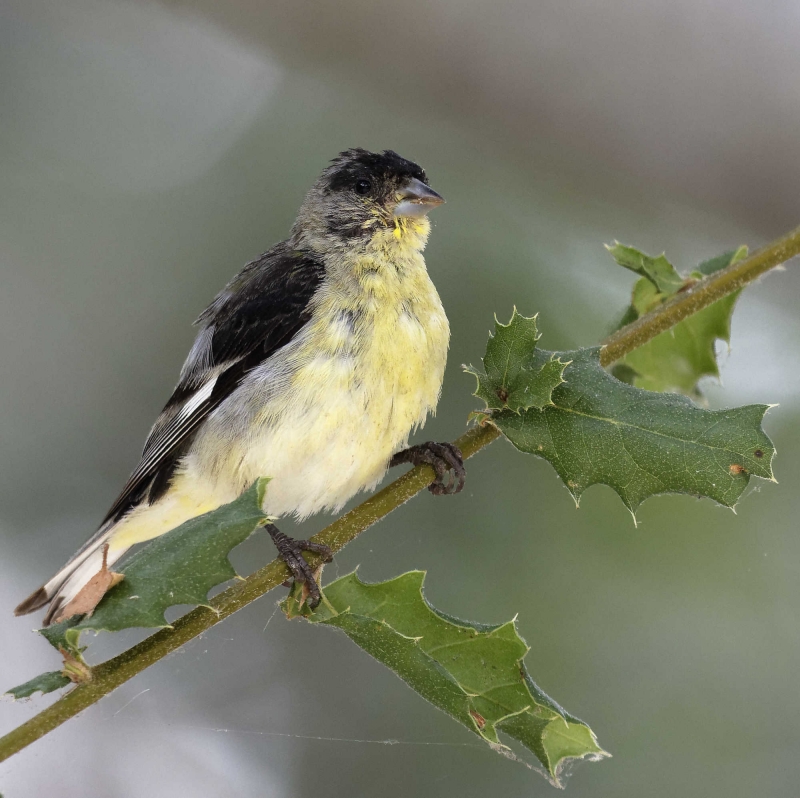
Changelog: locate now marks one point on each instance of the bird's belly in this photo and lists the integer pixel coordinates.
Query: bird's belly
(338, 418)
(324, 452)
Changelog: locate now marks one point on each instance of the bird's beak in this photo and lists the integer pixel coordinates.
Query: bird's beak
(415, 199)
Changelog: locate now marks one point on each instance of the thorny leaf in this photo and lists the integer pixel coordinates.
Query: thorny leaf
(659, 271)
(676, 359)
(44, 683)
(473, 672)
(179, 567)
(640, 443)
(65, 637)
(516, 375)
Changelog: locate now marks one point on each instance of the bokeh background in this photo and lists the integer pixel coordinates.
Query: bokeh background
(148, 150)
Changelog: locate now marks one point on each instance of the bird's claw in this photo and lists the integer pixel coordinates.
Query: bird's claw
(291, 552)
(445, 459)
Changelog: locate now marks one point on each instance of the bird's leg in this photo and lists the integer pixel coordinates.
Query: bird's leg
(290, 551)
(443, 458)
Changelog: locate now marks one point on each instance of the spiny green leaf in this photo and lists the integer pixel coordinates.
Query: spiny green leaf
(64, 636)
(644, 297)
(179, 567)
(659, 271)
(515, 374)
(640, 443)
(473, 672)
(44, 683)
(677, 359)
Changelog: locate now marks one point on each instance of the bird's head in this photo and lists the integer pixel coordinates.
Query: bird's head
(363, 195)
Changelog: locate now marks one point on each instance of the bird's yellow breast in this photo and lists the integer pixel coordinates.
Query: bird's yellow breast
(324, 416)
(379, 340)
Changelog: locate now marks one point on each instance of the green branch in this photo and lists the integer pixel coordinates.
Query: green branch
(111, 674)
(704, 293)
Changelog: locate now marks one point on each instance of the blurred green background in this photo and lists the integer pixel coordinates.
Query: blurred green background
(148, 150)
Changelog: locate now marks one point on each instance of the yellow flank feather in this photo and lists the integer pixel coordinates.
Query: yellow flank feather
(326, 413)
(184, 501)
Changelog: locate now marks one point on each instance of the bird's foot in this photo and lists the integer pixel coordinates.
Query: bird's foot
(291, 552)
(445, 459)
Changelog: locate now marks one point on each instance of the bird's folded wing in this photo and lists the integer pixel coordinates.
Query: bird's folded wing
(260, 311)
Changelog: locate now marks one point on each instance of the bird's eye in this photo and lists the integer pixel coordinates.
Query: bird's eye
(363, 187)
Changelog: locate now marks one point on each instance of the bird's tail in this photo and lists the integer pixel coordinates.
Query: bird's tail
(69, 581)
(186, 499)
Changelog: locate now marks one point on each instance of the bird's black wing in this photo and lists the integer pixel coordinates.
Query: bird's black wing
(257, 313)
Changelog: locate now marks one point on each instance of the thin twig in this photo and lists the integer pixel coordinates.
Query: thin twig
(704, 293)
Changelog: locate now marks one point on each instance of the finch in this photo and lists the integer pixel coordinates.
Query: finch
(312, 367)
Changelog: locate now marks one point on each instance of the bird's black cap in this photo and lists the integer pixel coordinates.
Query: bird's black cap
(385, 167)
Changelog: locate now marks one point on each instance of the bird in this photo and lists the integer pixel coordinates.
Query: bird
(312, 366)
